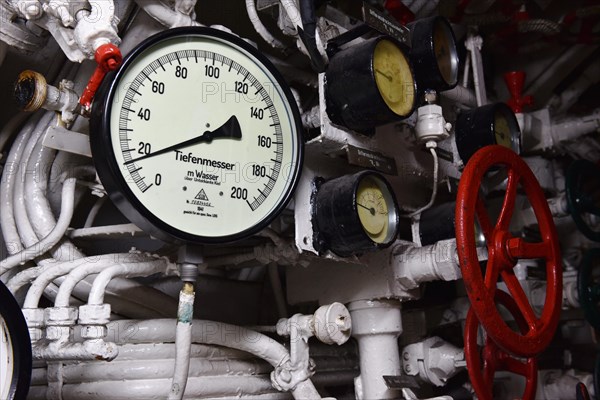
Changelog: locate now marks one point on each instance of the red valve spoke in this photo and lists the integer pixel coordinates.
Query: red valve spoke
(492, 271)
(518, 294)
(520, 249)
(484, 219)
(511, 364)
(508, 206)
(490, 362)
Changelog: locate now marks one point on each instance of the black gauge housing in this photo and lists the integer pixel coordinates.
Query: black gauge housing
(336, 221)
(352, 96)
(480, 127)
(434, 54)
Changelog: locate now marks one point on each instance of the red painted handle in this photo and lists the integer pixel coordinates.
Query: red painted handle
(504, 250)
(109, 58)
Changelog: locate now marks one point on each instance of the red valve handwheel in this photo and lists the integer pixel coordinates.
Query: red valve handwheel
(494, 358)
(504, 250)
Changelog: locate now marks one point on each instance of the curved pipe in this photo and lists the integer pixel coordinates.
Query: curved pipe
(217, 333)
(165, 15)
(128, 270)
(9, 178)
(260, 28)
(57, 233)
(80, 272)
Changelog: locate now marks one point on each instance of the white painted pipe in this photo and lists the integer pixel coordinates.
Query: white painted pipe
(183, 341)
(293, 12)
(217, 333)
(167, 17)
(205, 332)
(128, 270)
(23, 222)
(260, 28)
(94, 211)
(573, 128)
(376, 326)
(461, 95)
(150, 389)
(10, 176)
(57, 233)
(95, 266)
(36, 203)
(47, 275)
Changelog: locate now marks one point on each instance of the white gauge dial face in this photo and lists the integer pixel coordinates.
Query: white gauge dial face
(204, 136)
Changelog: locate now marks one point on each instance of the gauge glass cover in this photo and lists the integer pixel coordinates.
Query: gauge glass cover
(394, 77)
(376, 210)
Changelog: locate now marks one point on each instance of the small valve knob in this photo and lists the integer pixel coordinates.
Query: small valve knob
(514, 81)
(109, 58)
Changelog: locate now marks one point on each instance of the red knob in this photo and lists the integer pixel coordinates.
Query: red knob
(515, 81)
(109, 58)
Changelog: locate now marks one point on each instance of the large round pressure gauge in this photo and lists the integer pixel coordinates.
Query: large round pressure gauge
(485, 126)
(433, 54)
(370, 84)
(197, 138)
(355, 213)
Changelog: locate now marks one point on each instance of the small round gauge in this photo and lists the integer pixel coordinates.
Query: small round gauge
(433, 54)
(354, 214)
(370, 84)
(484, 126)
(197, 137)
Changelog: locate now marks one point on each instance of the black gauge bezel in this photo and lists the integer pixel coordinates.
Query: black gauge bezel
(427, 69)
(475, 128)
(108, 168)
(21, 344)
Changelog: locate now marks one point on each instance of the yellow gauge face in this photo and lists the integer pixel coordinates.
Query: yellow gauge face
(373, 210)
(393, 77)
(502, 130)
(444, 49)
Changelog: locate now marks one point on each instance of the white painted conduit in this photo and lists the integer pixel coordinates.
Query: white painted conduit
(144, 366)
(57, 233)
(215, 333)
(26, 219)
(183, 341)
(81, 271)
(164, 15)
(260, 28)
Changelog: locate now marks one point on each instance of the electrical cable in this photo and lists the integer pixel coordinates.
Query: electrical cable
(431, 146)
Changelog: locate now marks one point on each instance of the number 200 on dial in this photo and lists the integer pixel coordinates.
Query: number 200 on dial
(197, 137)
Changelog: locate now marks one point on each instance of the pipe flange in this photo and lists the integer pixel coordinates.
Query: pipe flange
(286, 377)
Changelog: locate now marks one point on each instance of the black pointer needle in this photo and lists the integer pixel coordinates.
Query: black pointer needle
(229, 130)
(371, 210)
